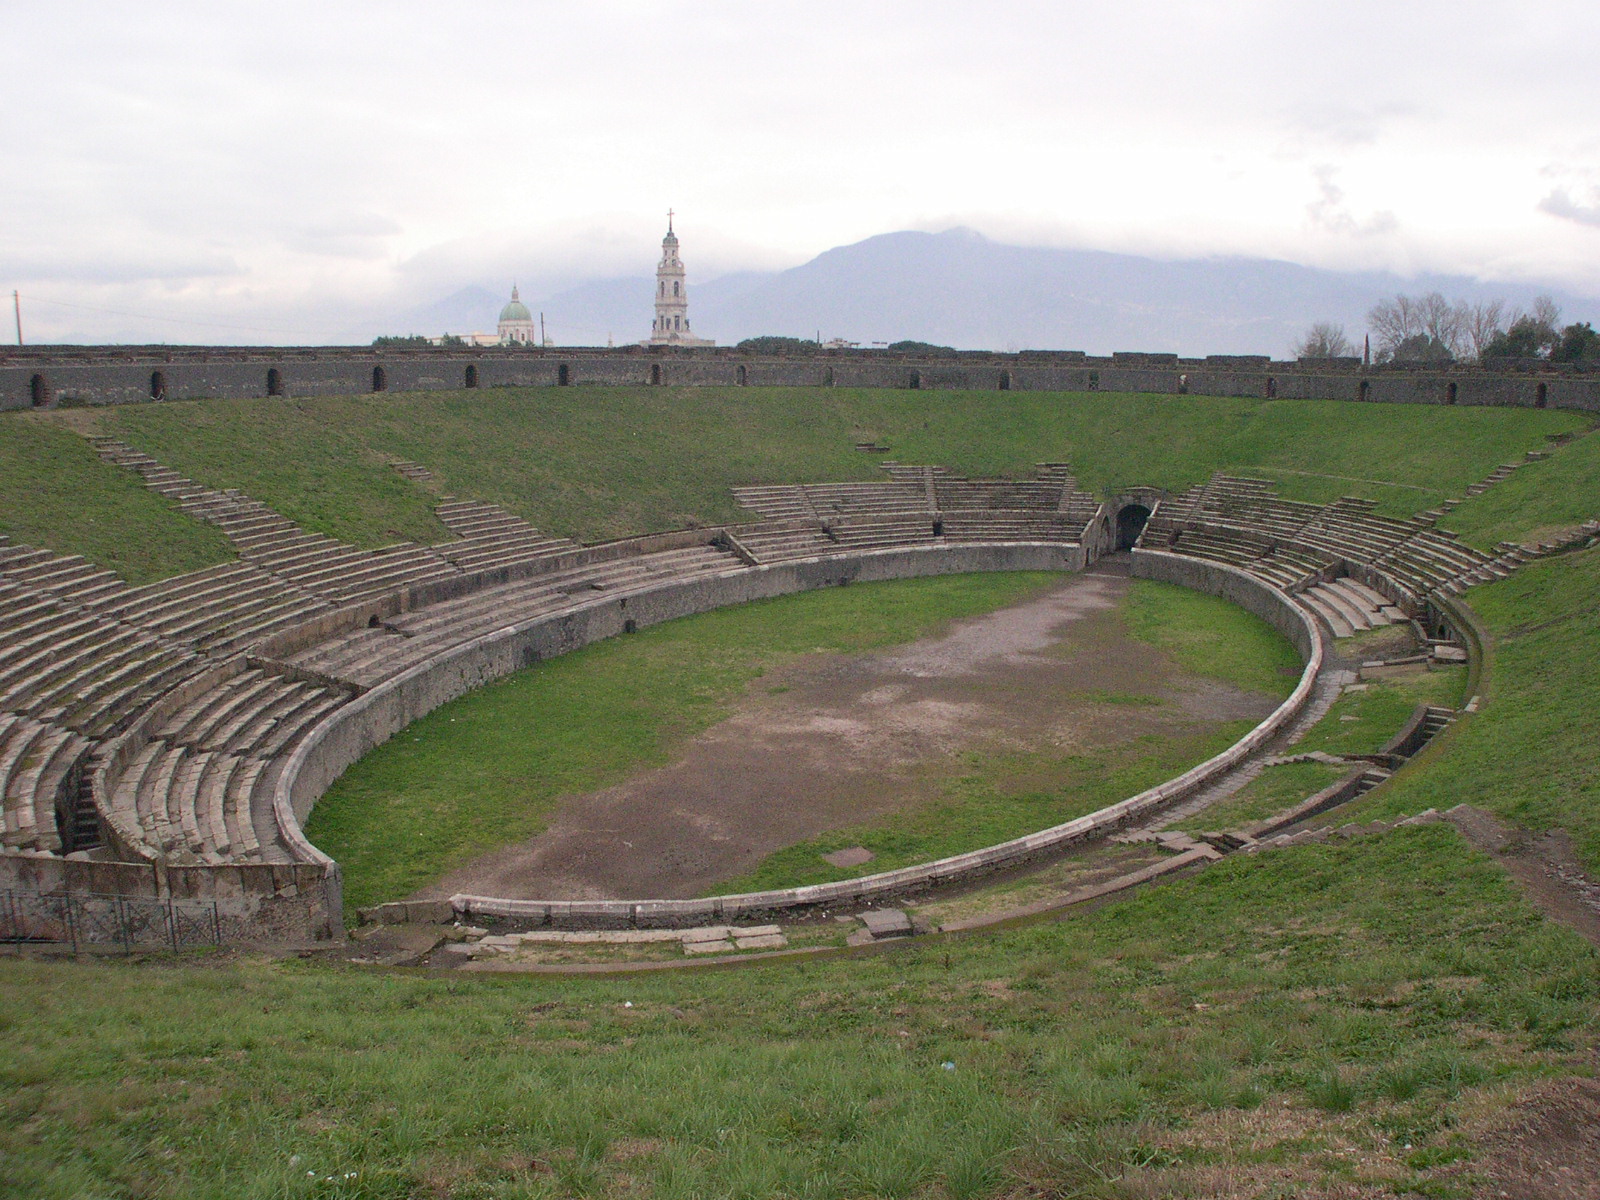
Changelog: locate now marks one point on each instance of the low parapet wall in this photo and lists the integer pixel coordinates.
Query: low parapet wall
(45, 377)
(1229, 582)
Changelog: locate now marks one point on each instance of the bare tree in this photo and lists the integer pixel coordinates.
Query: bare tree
(1425, 327)
(1393, 322)
(1442, 322)
(1546, 312)
(1484, 322)
(1324, 340)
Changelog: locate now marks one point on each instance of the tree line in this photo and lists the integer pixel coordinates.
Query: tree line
(1432, 329)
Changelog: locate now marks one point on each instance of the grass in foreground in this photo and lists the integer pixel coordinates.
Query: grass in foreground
(487, 769)
(1324, 1017)
(1532, 754)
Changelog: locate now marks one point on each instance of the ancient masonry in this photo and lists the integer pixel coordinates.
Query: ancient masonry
(168, 740)
(41, 377)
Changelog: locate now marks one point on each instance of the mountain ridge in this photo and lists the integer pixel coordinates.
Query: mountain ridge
(958, 288)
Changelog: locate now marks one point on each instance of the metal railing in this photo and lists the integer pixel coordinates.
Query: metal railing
(96, 920)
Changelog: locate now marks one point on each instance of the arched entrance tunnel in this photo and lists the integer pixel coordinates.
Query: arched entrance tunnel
(1131, 520)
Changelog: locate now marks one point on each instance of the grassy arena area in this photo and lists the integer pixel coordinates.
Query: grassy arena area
(607, 462)
(598, 462)
(487, 770)
(1539, 502)
(1215, 1032)
(995, 796)
(436, 795)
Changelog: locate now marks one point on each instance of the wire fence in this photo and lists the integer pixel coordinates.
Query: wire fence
(95, 920)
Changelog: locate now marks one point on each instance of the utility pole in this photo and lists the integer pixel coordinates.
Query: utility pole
(542, 341)
(16, 303)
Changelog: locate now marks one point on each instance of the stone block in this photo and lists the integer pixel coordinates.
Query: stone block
(764, 941)
(886, 923)
(705, 933)
(709, 947)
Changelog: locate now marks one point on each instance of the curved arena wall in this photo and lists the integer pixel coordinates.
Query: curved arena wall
(358, 727)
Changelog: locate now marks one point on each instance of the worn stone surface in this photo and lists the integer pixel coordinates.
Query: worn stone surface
(707, 933)
(399, 945)
(850, 856)
(707, 947)
(886, 922)
(765, 941)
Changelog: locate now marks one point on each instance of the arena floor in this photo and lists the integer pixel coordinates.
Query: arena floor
(837, 740)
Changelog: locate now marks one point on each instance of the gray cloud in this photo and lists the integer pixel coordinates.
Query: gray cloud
(1560, 203)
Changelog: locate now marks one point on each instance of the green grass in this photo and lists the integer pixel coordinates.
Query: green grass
(487, 769)
(318, 462)
(1362, 722)
(1532, 754)
(1374, 987)
(1539, 500)
(57, 495)
(989, 797)
(1209, 636)
(1268, 794)
(599, 462)
(986, 798)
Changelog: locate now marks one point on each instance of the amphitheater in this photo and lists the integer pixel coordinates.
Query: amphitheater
(168, 740)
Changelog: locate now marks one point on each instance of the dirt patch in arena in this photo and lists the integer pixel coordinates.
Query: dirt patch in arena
(835, 740)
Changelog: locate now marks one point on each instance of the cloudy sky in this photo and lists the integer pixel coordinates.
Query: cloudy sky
(294, 171)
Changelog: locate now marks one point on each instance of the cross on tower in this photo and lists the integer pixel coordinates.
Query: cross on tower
(669, 220)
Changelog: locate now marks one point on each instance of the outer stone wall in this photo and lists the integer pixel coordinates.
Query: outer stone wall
(116, 375)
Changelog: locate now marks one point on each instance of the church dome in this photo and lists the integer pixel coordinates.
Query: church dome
(516, 310)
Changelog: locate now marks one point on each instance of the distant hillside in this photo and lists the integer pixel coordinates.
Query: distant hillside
(958, 288)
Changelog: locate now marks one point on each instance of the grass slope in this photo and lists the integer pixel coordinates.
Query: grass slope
(1218, 1031)
(319, 463)
(57, 495)
(606, 462)
(487, 769)
(1539, 501)
(1532, 754)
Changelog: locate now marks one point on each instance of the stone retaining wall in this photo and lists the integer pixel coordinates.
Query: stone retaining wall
(1229, 582)
(33, 377)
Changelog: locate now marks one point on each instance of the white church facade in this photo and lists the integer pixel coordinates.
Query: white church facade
(671, 326)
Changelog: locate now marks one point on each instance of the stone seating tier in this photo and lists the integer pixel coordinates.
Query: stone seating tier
(199, 790)
(35, 759)
(787, 502)
(367, 656)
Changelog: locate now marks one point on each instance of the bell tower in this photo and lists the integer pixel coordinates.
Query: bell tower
(671, 326)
